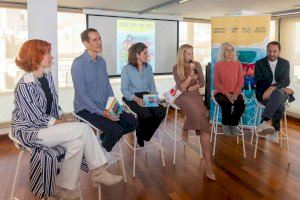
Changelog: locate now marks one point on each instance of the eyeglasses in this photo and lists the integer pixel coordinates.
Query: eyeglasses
(48, 54)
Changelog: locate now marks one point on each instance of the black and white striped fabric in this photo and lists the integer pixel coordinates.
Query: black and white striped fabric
(28, 117)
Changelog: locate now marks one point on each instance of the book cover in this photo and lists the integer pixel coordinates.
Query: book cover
(172, 94)
(150, 100)
(114, 107)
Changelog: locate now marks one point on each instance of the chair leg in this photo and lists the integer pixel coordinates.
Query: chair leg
(162, 155)
(287, 137)
(134, 154)
(211, 131)
(280, 136)
(80, 192)
(175, 142)
(161, 149)
(215, 141)
(99, 192)
(243, 136)
(165, 120)
(281, 131)
(122, 162)
(256, 143)
(16, 175)
(243, 141)
(256, 120)
(252, 135)
(214, 126)
(215, 122)
(200, 147)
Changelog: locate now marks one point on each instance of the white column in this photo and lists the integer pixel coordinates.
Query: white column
(42, 24)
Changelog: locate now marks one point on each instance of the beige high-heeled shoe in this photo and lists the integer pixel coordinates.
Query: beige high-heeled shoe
(209, 175)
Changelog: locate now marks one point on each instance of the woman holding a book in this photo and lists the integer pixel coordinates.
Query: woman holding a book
(139, 91)
(189, 79)
(39, 124)
(229, 81)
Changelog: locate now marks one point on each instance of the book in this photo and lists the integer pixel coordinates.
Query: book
(150, 100)
(114, 107)
(172, 94)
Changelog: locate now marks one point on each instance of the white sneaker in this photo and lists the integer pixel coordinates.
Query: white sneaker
(274, 138)
(264, 128)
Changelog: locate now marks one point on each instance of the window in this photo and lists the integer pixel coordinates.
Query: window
(13, 33)
(69, 28)
(290, 42)
(272, 30)
(297, 54)
(199, 36)
(70, 25)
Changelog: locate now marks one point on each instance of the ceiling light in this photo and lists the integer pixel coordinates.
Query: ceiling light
(183, 1)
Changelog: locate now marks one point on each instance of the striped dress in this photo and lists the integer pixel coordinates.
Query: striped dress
(28, 117)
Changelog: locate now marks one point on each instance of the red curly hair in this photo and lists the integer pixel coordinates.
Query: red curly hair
(31, 54)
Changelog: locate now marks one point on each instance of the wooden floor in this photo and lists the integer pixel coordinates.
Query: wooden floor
(267, 177)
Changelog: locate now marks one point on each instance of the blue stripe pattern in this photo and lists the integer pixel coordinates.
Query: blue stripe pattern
(28, 117)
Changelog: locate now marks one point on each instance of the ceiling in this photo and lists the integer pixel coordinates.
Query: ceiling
(199, 9)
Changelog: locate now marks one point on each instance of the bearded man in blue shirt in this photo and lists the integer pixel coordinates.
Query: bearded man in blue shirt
(92, 89)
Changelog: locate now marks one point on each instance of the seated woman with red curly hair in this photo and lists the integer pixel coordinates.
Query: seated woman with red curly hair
(38, 123)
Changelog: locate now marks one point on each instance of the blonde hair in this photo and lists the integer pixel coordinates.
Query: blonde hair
(222, 50)
(180, 59)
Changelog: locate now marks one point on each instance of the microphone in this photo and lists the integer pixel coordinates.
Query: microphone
(194, 68)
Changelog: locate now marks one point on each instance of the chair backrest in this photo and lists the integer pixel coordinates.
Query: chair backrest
(257, 102)
(213, 97)
(85, 121)
(127, 108)
(171, 103)
(17, 142)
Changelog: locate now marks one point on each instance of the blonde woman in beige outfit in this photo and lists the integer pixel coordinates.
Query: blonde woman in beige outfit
(189, 78)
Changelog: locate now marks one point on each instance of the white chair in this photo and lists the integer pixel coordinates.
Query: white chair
(153, 142)
(216, 123)
(174, 136)
(22, 151)
(116, 156)
(283, 133)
